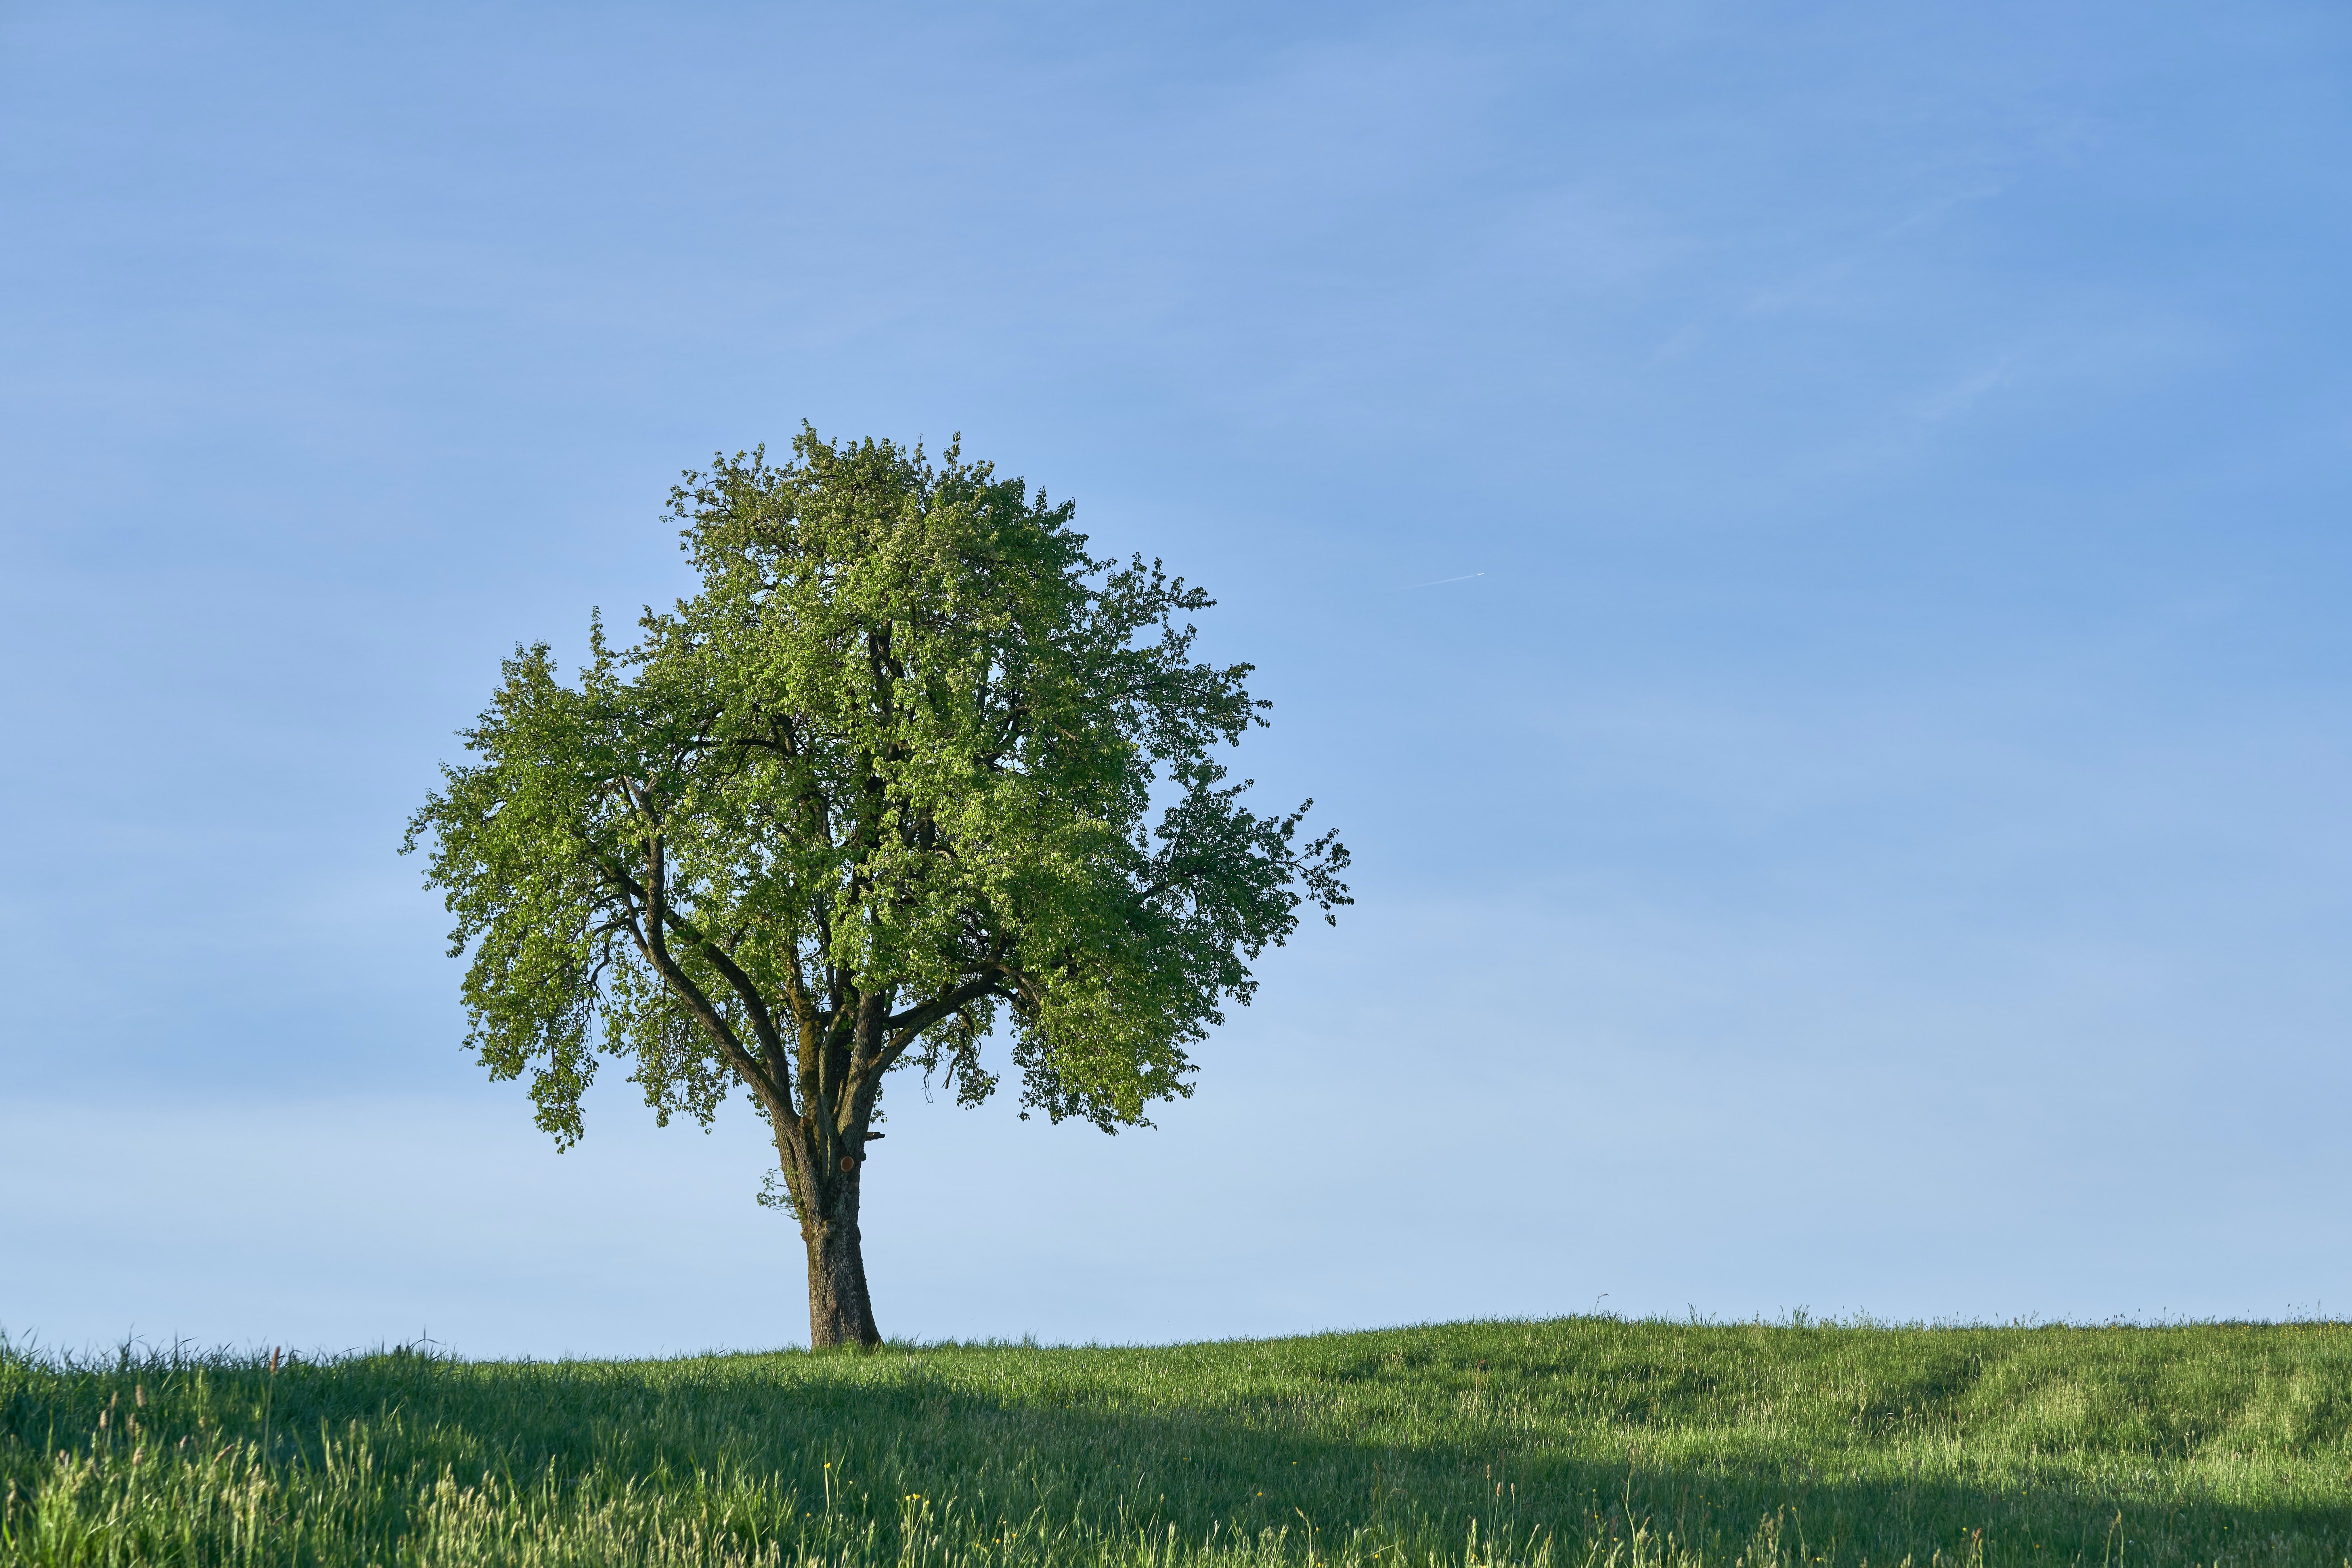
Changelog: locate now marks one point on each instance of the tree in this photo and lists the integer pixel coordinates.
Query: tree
(880, 792)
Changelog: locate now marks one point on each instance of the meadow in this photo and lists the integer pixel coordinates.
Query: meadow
(1574, 1442)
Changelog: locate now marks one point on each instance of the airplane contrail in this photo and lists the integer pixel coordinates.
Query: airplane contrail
(1463, 578)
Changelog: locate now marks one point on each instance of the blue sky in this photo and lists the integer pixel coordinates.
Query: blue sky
(1863, 826)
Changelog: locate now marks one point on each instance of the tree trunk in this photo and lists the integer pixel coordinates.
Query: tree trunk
(840, 1311)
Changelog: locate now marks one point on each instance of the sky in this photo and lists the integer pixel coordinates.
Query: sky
(1804, 546)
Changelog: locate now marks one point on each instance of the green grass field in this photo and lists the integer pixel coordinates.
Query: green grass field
(1579, 1441)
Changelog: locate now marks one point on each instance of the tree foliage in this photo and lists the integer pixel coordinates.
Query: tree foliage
(911, 771)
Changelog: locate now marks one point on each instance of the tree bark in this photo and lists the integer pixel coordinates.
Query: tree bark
(840, 1311)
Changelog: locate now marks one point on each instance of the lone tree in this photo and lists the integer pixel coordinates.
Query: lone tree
(883, 785)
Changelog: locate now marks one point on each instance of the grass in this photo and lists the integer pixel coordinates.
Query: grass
(1576, 1443)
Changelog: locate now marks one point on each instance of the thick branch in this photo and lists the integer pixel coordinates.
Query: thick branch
(654, 895)
(901, 1030)
(652, 944)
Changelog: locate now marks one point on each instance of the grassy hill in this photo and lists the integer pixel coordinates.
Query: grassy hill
(1574, 1442)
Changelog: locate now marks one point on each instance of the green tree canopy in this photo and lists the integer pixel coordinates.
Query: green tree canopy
(912, 771)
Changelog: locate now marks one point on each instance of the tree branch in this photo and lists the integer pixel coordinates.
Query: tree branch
(901, 1030)
(651, 943)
